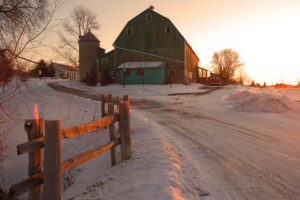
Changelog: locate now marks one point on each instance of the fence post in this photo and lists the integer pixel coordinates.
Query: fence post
(52, 153)
(102, 105)
(125, 131)
(34, 129)
(110, 98)
(118, 100)
(125, 98)
(112, 133)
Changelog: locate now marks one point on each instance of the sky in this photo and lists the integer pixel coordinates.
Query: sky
(264, 32)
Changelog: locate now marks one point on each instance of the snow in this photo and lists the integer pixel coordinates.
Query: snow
(134, 65)
(152, 172)
(158, 92)
(189, 142)
(251, 101)
(52, 105)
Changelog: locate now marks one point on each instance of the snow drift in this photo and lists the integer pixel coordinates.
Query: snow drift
(258, 101)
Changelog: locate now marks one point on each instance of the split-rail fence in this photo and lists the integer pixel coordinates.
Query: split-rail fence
(118, 110)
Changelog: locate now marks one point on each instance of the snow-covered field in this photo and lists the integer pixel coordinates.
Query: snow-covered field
(234, 142)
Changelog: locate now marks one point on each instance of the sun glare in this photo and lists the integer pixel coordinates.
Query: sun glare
(270, 52)
(268, 44)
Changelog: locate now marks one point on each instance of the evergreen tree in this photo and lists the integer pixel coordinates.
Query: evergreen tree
(43, 70)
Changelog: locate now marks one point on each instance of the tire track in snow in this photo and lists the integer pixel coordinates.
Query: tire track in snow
(219, 157)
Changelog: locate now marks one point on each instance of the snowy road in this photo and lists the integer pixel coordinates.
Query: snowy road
(231, 160)
(232, 155)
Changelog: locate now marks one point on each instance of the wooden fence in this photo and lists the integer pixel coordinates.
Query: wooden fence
(50, 177)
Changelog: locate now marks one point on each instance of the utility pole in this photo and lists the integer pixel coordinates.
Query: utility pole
(124, 76)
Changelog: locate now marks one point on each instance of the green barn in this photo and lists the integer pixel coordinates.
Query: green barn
(149, 50)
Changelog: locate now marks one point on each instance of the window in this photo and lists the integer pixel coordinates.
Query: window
(140, 72)
(104, 60)
(126, 72)
(129, 31)
(172, 72)
(168, 29)
(148, 18)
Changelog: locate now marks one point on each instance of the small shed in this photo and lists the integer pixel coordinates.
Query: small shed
(153, 72)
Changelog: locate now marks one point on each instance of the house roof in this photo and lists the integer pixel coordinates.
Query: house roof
(89, 36)
(64, 67)
(135, 65)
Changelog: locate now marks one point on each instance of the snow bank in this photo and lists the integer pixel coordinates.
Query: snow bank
(258, 101)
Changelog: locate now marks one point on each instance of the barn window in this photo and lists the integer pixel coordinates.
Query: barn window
(148, 18)
(127, 72)
(172, 72)
(104, 60)
(140, 72)
(168, 29)
(129, 31)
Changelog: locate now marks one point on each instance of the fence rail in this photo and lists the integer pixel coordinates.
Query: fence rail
(50, 177)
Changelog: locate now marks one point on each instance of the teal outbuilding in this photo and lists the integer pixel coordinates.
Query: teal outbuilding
(142, 73)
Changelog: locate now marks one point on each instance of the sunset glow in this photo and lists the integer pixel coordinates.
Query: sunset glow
(36, 114)
(264, 32)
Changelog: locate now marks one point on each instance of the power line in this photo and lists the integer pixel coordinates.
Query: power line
(149, 54)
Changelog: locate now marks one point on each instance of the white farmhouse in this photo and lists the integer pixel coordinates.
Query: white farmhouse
(65, 71)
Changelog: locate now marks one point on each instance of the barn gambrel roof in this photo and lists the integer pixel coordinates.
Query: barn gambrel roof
(163, 17)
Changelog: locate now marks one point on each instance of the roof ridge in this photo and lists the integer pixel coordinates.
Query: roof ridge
(65, 66)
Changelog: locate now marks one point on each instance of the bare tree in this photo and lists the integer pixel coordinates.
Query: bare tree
(81, 20)
(22, 22)
(226, 63)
